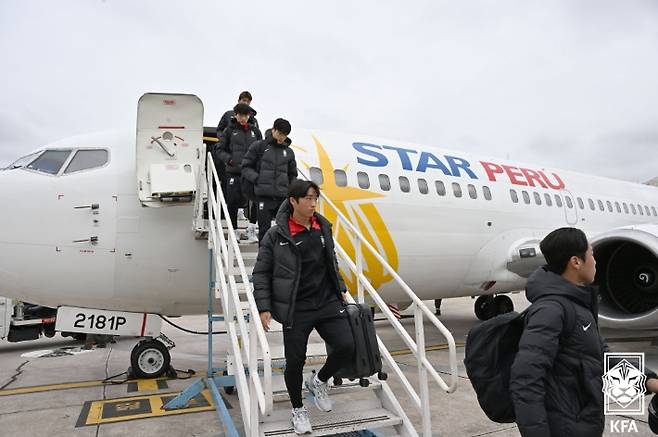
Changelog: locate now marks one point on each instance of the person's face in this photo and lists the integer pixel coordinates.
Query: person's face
(245, 100)
(242, 118)
(587, 267)
(305, 207)
(278, 136)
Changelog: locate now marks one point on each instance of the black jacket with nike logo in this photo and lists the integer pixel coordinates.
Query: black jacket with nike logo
(278, 268)
(556, 376)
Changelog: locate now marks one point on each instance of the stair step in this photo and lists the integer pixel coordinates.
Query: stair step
(354, 419)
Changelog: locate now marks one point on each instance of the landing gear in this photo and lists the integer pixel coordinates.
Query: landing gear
(150, 359)
(487, 307)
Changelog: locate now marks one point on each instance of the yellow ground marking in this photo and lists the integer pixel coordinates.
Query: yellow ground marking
(211, 139)
(147, 385)
(124, 406)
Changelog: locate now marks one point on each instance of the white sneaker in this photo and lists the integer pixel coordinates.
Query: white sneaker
(300, 421)
(238, 235)
(320, 392)
(241, 214)
(251, 233)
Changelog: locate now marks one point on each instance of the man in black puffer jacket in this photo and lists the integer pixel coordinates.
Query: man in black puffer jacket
(296, 281)
(244, 97)
(270, 166)
(556, 383)
(231, 148)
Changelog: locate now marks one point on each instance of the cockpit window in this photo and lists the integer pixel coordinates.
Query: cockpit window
(86, 159)
(50, 161)
(22, 162)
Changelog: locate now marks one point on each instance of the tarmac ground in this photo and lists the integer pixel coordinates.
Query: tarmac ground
(53, 387)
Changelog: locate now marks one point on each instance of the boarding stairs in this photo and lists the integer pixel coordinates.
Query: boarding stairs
(256, 359)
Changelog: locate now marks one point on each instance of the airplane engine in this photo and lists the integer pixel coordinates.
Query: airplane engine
(627, 275)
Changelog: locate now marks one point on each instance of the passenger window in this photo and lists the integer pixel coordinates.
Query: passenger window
(646, 208)
(456, 189)
(514, 196)
(440, 188)
(363, 180)
(87, 159)
(609, 205)
(422, 186)
(625, 208)
(316, 175)
(487, 192)
(600, 205)
(547, 198)
(618, 207)
(569, 202)
(581, 204)
(526, 197)
(472, 192)
(653, 210)
(384, 182)
(633, 209)
(405, 186)
(537, 198)
(590, 202)
(639, 208)
(51, 161)
(341, 177)
(558, 201)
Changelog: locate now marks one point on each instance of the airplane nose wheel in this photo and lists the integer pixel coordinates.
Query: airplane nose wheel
(150, 359)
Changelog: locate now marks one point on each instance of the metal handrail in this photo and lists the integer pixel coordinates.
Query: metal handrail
(421, 402)
(252, 394)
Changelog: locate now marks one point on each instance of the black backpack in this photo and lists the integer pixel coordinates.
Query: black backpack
(490, 350)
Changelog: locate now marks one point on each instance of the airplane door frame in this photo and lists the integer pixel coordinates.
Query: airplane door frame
(570, 214)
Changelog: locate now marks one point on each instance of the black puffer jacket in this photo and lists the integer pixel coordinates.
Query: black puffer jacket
(234, 143)
(556, 376)
(270, 166)
(278, 268)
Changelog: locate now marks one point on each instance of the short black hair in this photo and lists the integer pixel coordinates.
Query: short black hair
(245, 95)
(298, 188)
(560, 245)
(242, 108)
(282, 126)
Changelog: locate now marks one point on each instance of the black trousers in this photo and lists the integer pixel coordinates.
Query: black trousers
(234, 198)
(334, 328)
(267, 209)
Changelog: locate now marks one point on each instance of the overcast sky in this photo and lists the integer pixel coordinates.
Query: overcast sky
(570, 84)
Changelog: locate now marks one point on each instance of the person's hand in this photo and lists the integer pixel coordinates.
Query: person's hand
(652, 385)
(265, 320)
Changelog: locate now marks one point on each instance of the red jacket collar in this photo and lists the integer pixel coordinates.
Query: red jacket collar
(296, 228)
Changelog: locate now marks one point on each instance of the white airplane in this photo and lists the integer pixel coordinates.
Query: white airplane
(76, 232)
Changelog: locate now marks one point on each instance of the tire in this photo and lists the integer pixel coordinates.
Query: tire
(364, 382)
(503, 304)
(484, 309)
(150, 359)
(338, 380)
(382, 376)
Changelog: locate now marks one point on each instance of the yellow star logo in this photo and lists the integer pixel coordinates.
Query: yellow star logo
(351, 201)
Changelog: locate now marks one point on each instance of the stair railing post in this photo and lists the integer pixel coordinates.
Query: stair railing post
(359, 269)
(422, 373)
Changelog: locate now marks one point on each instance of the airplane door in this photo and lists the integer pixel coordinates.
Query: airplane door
(5, 316)
(570, 207)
